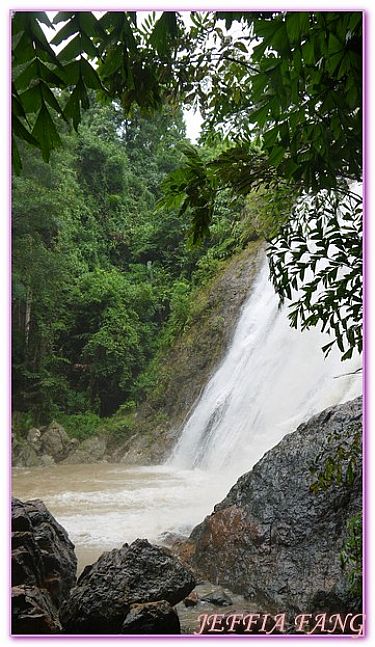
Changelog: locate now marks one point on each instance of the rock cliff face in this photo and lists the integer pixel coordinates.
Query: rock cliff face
(275, 540)
(187, 366)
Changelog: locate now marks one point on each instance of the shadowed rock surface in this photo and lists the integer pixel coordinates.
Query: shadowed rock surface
(105, 591)
(43, 567)
(272, 538)
(33, 611)
(151, 618)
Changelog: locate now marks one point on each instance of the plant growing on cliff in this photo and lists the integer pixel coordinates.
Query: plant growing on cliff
(351, 556)
(343, 466)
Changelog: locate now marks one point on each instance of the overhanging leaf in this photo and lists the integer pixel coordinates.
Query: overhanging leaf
(45, 133)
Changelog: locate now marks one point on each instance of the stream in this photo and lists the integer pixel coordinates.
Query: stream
(105, 505)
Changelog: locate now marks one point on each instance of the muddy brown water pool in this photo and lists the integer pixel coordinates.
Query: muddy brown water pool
(104, 505)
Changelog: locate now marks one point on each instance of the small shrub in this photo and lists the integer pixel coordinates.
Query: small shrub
(81, 425)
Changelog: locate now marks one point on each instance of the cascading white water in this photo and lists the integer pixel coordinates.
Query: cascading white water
(271, 379)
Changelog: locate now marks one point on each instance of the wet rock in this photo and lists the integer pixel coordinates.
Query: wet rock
(180, 545)
(55, 442)
(151, 618)
(33, 611)
(272, 539)
(46, 460)
(24, 455)
(42, 554)
(105, 591)
(191, 600)
(218, 598)
(34, 438)
(90, 450)
(43, 568)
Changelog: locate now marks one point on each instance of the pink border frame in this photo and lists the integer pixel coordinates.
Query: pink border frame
(365, 377)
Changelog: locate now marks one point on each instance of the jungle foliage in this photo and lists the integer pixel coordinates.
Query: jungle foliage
(101, 279)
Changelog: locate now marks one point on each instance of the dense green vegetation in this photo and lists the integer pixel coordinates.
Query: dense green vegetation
(102, 279)
(282, 95)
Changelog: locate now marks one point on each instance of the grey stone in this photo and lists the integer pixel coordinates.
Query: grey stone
(91, 450)
(134, 574)
(25, 455)
(42, 553)
(55, 441)
(34, 438)
(272, 538)
(46, 460)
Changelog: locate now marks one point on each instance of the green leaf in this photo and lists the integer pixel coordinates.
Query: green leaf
(21, 132)
(260, 115)
(42, 17)
(23, 52)
(297, 23)
(276, 155)
(89, 24)
(31, 99)
(63, 16)
(50, 98)
(88, 46)
(241, 46)
(71, 72)
(24, 79)
(77, 99)
(45, 133)
(164, 32)
(65, 32)
(90, 75)
(71, 50)
(16, 159)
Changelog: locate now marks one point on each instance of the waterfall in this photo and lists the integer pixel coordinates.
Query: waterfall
(271, 379)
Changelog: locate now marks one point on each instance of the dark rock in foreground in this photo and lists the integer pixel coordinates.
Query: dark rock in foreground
(33, 611)
(135, 574)
(151, 618)
(42, 553)
(43, 568)
(274, 540)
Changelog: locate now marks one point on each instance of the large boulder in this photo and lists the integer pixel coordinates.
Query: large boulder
(43, 560)
(275, 540)
(135, 574)
(90, 450)
(55, 442)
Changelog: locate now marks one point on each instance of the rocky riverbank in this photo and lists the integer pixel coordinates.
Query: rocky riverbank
(129, 590)
(273, 546)
(51, 444)
(277, 536)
